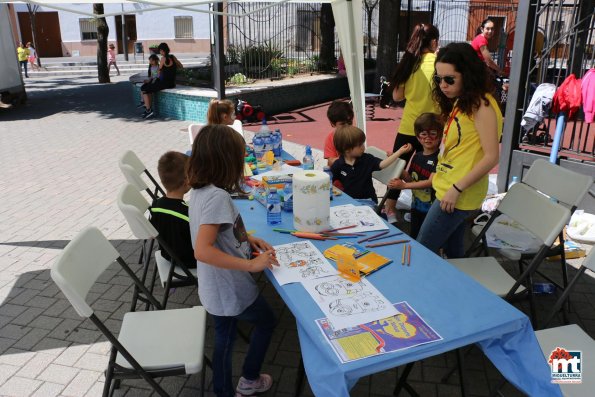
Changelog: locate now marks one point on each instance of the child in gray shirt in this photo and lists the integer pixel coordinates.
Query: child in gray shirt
(223, 251)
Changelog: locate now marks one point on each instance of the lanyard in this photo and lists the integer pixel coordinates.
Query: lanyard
(453, 114)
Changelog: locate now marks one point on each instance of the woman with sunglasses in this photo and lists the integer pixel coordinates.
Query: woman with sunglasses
(412, 81)
(469, 147)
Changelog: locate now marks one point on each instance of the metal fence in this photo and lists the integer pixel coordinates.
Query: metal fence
(285, 40)
(563, 43)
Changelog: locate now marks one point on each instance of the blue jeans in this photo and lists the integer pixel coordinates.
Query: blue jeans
(443, 230)
(262, 317)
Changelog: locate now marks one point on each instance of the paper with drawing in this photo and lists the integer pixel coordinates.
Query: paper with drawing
(348, 304)
(363, 216)
(300, 261)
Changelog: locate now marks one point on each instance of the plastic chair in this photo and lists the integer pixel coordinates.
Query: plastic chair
(133, 205)
(193, 130)
(569, 189)
(238, 126)
(133, 168)
(149, 344)
(542, 217)
(384, 176)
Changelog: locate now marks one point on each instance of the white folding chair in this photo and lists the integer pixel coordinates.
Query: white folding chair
(384, 176)
(538, 214)
(134, 206)
(133, 168)
(193, 130)
(568, 188)
(150, 344)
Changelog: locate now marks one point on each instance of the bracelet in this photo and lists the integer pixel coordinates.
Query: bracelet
(457, 188)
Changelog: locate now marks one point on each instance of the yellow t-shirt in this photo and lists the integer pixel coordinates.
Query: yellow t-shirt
(22, 53)
(461, 151)
(418, 92)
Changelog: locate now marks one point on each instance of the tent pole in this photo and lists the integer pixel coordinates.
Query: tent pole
(218, 53)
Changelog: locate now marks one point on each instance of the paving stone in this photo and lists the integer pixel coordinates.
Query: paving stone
(58, 373)
(92, 362)
(45, 322)
(51, 346)
(11, 310)
(48, 389)
(82, 382)
(17, 386)
(41, 301)
(35, 365)
(31, 339)
(71, 354)
(27, 316)
(12, 331)
(96, 390)
(6, 371)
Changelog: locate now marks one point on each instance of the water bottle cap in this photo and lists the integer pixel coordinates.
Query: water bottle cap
(264, 121)
(308, 149)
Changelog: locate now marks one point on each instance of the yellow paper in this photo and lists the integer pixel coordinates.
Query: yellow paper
(348, 268)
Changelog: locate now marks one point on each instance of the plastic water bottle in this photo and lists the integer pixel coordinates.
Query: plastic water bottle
(277, 143)
(280, 136)
(268, 143)
(264, 128)
(258, 143)
(308, 161)
(288, 197)
(515, 179)
(330, 175)
(273, 207)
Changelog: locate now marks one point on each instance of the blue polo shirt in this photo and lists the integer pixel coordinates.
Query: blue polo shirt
(357, 178)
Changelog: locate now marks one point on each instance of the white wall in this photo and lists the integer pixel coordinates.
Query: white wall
(149, 25)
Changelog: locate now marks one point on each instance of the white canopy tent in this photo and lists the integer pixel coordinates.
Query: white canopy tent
(348, 19)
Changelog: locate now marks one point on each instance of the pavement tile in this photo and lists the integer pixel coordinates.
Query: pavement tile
(6, 371)
(96, 390)
(27, 316)
(92, 362)
(51, 346)
(31, 339)
(71, 354)
(11, 310)
(82, 383)
(45, 322)
(48, 389)
(18, 387)
(58, 373)
(35, 365)
(13, 331)
(41, 301)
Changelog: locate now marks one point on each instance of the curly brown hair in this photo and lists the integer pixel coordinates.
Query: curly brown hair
(476, 79)
(217, 159)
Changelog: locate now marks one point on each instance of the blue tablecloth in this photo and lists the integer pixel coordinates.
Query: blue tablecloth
(454, 305)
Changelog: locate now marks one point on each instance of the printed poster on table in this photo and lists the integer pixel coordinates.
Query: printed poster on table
(300, 261)
(406, 329)
(347, 303)
(364, 217)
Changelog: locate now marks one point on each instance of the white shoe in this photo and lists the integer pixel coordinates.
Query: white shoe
(391, 217)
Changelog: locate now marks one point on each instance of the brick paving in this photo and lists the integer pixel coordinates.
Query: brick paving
(58, 156)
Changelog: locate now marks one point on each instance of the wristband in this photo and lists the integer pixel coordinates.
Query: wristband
(457, 188)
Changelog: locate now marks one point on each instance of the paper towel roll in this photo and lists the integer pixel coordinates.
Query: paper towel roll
(311, 201)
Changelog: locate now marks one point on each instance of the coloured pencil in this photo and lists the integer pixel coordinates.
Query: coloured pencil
(409, 255)
(339, 228)
(403, 255)
(382, 237)
(387, 243)
(374, 236)
(286, 231)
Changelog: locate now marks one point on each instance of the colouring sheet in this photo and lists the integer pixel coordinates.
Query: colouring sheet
(349, 304)
(300, 261)
(403, 331)
(363, 216)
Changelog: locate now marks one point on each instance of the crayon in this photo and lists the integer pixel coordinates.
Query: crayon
(381, 237)
(387, 243)
(374, 236)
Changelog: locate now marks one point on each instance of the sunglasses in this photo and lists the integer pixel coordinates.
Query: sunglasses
(428, 134)
(450, 80)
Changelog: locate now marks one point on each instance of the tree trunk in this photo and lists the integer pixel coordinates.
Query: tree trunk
(388, 31)
(32, 13)
(102, 33)
(327, 42)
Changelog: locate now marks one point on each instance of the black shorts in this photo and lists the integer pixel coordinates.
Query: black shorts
(154, 86)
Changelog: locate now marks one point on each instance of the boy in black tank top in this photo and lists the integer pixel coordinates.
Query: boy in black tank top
(428, 130)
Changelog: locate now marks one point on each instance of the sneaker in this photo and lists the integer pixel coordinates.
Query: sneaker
(149, 114)
(391, 217)
(407, 217)
(249, 387)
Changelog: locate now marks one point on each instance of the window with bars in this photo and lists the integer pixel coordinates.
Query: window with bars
(183, 26)
(88, 27)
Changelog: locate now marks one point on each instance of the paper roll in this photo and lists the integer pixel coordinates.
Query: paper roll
(311, 201)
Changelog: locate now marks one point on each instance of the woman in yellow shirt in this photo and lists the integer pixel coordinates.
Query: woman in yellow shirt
(23, 56)
(469, 147)
(412, 81)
